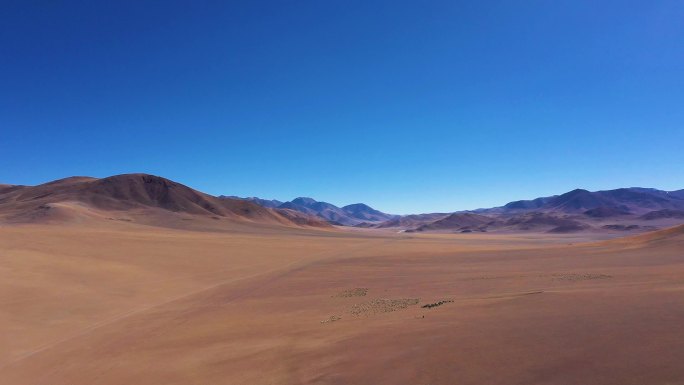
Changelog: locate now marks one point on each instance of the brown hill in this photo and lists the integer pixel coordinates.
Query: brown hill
(665, 213)
(459, 221)
(411, 221)
(534, 221)
(302, 219)
(672, 233)
(544, 222)
(5, 188)
(672, 236)
(148, 195)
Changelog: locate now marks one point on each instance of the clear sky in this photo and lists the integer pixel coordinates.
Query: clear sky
(409, 106)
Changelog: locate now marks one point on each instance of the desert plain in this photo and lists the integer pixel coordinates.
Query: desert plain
(117, 302)
(341, 192)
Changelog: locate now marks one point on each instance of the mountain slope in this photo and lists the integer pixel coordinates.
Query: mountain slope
(366, 213)
(324, 210)
(625, 209)
(350, 215)
(270, 203)
(673, 235)
(544, 222)
(411, 221)
(460, 221)
(153, 196)
(635, 199)
(677, 194)
(606, 212)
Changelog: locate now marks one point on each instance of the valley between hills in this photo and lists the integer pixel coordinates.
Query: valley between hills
(139, 279)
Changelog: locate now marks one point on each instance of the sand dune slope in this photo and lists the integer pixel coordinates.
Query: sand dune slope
(669, 236)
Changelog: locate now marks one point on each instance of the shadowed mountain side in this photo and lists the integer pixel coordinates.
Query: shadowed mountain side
(525, 204)
(324, 210)
(606, 212)
(131, 193)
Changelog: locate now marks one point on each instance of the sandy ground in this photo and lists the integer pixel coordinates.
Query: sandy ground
(128, 304)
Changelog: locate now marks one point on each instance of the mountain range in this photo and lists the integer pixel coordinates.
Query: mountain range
(627, 200)
(350, 215)
(624, 209)
(154, 200)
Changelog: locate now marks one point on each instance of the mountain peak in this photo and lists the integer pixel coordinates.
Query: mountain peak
(577, 191)
(304, 201)
(357, 206)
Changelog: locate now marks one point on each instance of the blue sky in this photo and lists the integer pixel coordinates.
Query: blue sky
(407, 106)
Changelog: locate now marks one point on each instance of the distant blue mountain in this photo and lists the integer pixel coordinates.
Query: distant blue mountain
(272, 203)
(350, 215)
